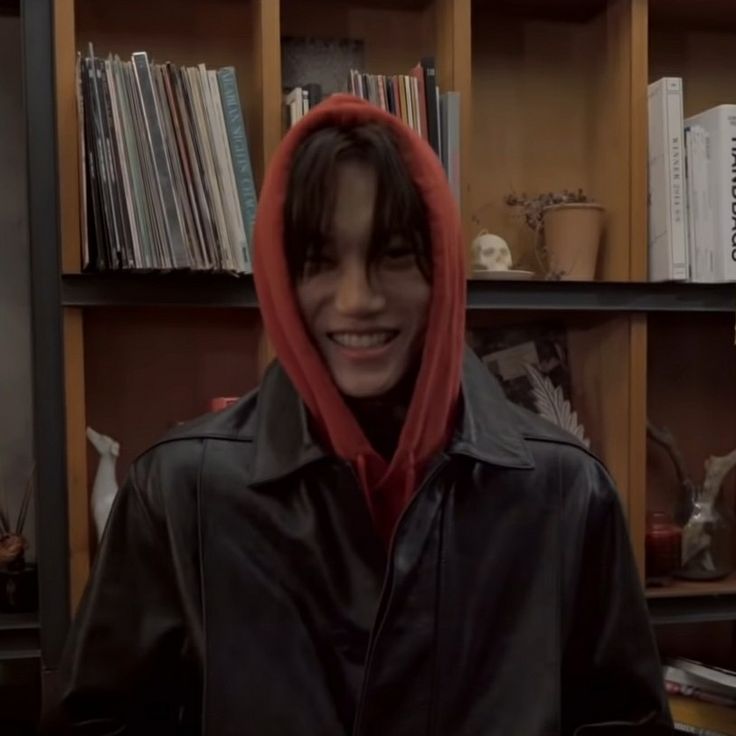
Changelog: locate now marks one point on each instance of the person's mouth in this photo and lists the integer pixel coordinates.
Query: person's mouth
(366, 340)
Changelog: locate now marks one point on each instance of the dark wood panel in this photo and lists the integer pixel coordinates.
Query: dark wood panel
(562, 10)
(10, 7)
(717, 15)
(148, 369)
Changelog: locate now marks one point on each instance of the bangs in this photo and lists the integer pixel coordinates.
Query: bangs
(399, 210)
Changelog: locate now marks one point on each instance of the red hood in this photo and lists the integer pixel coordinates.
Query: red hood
(429, 423)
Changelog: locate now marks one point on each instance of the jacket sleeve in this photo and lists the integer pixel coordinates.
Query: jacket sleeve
(121, 668)
(612, 679)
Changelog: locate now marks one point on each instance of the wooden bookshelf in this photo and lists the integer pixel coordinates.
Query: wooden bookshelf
(553, 95)
(692, 588)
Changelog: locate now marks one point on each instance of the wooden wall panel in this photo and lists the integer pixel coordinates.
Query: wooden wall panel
(146, 370)
(637, 434)
(704, 60)
(394, 39)
(267, 82)
(639, 194)
(530, 119)
(454, 69)
(600, 361)
(67, 132)
(76, 453)
(692, 362)
(609, 142)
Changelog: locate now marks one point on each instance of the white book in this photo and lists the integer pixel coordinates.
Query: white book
(450, 136)
(692, 240)
(668, 247)
(720, 124)
(690, 673)
(224, 168)
(293, 101)
(195, 89)
(706, 221)
(698, 210)
(700, 205)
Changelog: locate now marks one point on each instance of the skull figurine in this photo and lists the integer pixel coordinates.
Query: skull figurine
(491, 253)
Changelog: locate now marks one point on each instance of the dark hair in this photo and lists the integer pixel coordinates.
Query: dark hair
(310, 197)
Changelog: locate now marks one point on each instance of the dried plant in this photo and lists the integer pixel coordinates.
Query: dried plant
(533, 207)
(13, 544)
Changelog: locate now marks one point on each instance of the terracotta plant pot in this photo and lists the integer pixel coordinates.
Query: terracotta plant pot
(572, 234)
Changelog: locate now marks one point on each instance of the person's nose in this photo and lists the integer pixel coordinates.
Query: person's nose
(358, 293)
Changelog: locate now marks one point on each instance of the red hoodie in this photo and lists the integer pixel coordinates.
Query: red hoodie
(429, 422)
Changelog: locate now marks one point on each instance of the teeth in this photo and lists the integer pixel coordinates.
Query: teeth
(362, 340)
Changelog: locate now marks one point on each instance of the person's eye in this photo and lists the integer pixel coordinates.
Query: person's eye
(317, 262)
(399, 251)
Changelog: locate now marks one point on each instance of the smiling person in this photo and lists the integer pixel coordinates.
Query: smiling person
(375, 542)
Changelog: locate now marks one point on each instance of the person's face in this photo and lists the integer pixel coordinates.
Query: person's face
(367, 318)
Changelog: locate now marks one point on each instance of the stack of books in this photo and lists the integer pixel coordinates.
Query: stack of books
(298, 101)
(692, 196)
(702, 697)
(416, 98)
(166, 174)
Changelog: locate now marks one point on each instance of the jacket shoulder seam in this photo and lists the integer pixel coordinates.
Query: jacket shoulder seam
(561, 441)
(199, 437)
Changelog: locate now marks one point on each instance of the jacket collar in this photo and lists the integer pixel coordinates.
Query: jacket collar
(285, 443)
(486, 428)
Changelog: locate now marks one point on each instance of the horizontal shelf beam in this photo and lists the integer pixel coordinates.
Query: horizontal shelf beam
(694, 609)
(19, 637)
(143, 290)
(224, 290)
(604, 296)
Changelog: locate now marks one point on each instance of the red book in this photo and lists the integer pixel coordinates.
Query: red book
(418, 73)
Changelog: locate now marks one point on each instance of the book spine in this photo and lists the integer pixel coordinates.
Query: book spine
(699, 200)
(433, 107)
(226, 175)
(692, 205)
(108, 244)
(94, 220)
(161, 161)
(177, 172)
(81, 164)
(724, 164)
(155, 245)
(194, 89)
(418, 73)
(678, 192)
(707, 218)
(453, 142)
(668, 249)
(443, 129)
(414, 85)
(124, 189)
(204, 204)
(240, 154)
(198, 238)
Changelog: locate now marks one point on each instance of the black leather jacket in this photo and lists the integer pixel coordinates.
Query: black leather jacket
(240, 589)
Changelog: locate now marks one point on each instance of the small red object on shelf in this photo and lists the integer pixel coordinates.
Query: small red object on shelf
(663, 547)
(222, 402)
